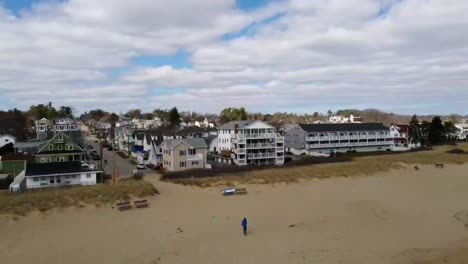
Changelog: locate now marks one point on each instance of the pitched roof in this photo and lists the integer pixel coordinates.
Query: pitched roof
(232, 124)
(31, 144)
(194, 129)
(36, 169)
(192, 142)
(209, 139)
(343, 127)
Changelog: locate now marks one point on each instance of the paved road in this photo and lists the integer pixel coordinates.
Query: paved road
(123, 167)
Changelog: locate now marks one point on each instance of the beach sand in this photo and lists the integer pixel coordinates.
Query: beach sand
(402, 216)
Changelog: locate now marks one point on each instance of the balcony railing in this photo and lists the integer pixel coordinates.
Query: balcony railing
(259, 135)
(261, 145)
(195, 157)
(261, 155)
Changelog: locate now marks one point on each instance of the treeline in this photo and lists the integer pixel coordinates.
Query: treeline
(431, 133)
(19, 123)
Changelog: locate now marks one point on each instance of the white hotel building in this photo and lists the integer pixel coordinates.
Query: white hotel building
(251, 143)
(311, 139)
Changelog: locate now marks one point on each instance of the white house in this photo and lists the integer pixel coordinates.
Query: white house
(315, 139)
(57, 174)
(7, 139)
(462, 131)
(251, 143)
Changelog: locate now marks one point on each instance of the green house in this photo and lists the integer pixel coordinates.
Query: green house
(59, 148)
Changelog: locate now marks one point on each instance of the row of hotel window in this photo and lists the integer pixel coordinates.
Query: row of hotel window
(350, 134)
(182, 164)
(60, 147)
(183, 152)
(67, 177)
(351, 141)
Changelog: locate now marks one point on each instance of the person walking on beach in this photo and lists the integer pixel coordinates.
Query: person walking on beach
(244, 226)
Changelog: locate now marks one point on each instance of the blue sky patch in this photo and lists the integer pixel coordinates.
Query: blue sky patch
(251, 5)
(179, 60)
(253, 28)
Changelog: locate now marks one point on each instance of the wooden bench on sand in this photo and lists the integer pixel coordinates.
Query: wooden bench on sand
(141, 204)
(233, 191)
(439, 165)
(124, 206)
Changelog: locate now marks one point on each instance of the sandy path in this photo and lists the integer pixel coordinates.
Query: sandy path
(388, 218)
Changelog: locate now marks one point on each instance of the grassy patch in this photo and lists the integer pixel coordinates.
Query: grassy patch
(23, 203)
(356, 165)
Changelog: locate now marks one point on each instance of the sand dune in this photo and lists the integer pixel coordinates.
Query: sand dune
(402, 216)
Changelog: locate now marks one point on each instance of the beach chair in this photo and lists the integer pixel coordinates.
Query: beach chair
(439, 165)
(416, 168)
(241, 191)
(141, 204)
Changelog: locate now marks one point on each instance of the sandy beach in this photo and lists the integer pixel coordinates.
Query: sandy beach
(402, 216)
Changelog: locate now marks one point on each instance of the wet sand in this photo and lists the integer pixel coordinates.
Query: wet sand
(402, 216)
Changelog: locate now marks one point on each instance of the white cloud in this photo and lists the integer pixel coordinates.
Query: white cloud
(318, 55)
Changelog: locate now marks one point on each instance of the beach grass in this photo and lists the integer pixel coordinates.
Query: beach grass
(364, 165)
(43, 200)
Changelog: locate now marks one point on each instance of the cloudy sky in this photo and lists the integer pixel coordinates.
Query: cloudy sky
(404, 56)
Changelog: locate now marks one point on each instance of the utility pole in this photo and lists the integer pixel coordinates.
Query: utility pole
(113, 150)
(100, 148)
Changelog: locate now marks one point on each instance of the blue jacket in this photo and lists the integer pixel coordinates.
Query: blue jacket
(244, 222)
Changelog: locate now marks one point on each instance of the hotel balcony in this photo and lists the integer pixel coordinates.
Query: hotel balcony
(261, 145)
(261, 155)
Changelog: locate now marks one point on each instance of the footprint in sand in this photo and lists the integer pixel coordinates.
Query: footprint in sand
(462, 216)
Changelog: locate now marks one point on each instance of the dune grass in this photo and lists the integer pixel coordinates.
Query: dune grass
(365, 165)
(23, 203)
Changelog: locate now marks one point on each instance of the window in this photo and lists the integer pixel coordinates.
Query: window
(73, 176)
(192, 151)
(60, 136)
(57, 159)
(88, 175)
(43, 160)
(59, 147)
(194, 162)
(7, 140)
(43, 179)
(52, 180)
(35, 179)
(182, 164)
(51, 147)
(182, 153)
(48, 159)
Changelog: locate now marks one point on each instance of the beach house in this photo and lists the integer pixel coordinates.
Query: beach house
(251, 143)
(314, 139)
(184, 154)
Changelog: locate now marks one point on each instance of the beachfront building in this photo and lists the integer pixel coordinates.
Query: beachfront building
(316, 139)
(462, 131)
(251, 143)
(60, 148)
(184, 154)
(400, 133)
(56, 174)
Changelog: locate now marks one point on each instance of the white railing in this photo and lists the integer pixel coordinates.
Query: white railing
(261, 155)
(195, 157)
(261, 145)
(259, 135)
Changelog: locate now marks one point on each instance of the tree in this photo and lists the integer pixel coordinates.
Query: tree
(174, 117)
(134, 113)
(436, 131)
(414, 130)
(97, 114)
(233, 114)
(425, 128)
(329, 113)
(65, 111)
(161, 114)
(113, 118)
(450, 130)
(315, 115)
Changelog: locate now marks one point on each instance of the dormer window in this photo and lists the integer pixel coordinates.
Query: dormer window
(51, 147)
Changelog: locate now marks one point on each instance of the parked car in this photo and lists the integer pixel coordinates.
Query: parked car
(93, 152)
(153, 167)
(96, 157)
(84, 165)
(140, 166)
